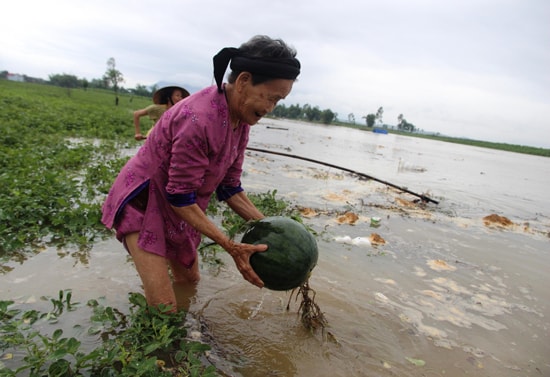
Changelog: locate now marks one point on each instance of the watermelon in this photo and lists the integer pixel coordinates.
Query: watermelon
(291, 255)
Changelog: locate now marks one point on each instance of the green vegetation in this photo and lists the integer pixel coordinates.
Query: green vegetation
(59, 153)
(307, 113)
(148, 341)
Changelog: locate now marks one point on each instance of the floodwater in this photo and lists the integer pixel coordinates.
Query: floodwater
(442, 292)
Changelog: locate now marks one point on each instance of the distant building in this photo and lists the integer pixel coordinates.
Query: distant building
(15, 77)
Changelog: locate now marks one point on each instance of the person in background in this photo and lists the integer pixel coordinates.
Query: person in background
(163, 99)
(158, 201)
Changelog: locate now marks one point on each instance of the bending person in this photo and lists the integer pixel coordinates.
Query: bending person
(158, 201)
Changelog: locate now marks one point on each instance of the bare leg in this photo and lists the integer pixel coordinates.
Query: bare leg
(184, 294)
(185, 283)
(185, 275)
(153, 271)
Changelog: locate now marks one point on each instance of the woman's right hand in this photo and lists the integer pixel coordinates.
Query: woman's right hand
(241, 253)
(139, 137)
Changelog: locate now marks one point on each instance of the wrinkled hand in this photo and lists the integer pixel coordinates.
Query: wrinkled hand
(241, 253)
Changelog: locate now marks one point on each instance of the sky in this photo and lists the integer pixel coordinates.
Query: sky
(467, 68)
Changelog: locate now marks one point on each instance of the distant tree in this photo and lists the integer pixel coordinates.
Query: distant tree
(84, 84)
(4, 75)
(295, 112)
(98, 83)
(280, 111)
(409, 127)
(65, 81)
(327, 116)
(312, 113)
(113, 77)
(370, 119)
(351, 118)
(403, 125)
(141, 90)
(379, 114)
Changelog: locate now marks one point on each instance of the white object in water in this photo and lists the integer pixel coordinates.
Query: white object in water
(357, 241)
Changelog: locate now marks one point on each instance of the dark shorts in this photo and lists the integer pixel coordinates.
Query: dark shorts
(130, 218)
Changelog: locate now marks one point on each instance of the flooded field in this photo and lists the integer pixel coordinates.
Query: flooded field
(453, 289)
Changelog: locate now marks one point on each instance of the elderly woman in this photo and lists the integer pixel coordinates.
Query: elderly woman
(157, 203)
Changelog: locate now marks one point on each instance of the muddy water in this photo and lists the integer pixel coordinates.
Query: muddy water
(445, 295)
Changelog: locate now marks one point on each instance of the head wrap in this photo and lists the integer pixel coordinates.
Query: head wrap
(279, 68)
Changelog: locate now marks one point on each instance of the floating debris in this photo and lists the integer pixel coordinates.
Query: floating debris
(348, 218)
(375, 239)
(405, 203)
(308, 212)
(417, 362)
(497, 221)
(440, 265)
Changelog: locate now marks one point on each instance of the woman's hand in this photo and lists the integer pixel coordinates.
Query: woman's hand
(241, 253)
(139, 137)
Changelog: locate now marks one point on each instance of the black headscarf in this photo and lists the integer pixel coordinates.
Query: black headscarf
(279, 68)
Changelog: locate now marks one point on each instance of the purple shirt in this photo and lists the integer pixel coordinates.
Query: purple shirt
(190, 152)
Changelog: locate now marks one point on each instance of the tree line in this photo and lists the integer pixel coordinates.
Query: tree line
(327, 116)
(306, 112)
(112, 78)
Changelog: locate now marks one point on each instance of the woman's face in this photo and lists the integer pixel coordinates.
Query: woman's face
(255, 101)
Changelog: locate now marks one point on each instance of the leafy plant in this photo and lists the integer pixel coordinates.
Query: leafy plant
(58, 158)
(149, 341)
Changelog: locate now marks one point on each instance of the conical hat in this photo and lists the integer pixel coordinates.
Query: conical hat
(160, 96)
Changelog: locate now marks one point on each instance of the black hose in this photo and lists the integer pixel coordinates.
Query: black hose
(423, 197)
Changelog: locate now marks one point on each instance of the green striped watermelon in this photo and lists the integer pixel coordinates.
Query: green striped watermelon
(291, 255)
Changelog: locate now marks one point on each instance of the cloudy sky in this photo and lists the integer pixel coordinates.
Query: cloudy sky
(473, 68)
